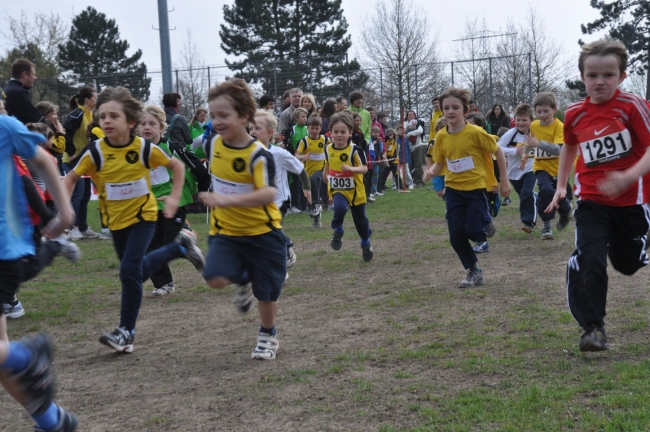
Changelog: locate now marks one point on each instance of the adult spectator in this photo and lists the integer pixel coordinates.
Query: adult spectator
(308, 102)
(286, 101)
(17, 96)
(435, 116)
(178, 131)
(267, 103)
(286, 118)
(414, 128)
(197, 124)
(341, 104)
(496, 119)
(356, 100)
(328, 110)
(76, 139)
(473, 107)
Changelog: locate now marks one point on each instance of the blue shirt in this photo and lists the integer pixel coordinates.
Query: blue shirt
(15, 225)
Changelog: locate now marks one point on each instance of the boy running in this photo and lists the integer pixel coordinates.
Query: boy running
(311, 151)
(611, 132)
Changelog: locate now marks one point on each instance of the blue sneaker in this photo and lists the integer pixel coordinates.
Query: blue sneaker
(482, 247)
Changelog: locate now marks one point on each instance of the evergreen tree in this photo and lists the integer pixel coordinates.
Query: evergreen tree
(628, 21)
(95, 55)
(291, 43)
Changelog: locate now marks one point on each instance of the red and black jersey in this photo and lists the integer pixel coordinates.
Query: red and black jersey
(612, 136)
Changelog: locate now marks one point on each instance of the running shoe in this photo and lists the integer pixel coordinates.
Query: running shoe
(120, 340)
(291, 257)
(482, 247)
(564, 218)
(243, 298)
(13, 310)
(593, 339)
(367, 252)
(336, 242)
(267, 346)
(187, 239)
(162, 291)
(547, 233)
(474, 278)
(36, 380)
(89, 234)
(69, 250)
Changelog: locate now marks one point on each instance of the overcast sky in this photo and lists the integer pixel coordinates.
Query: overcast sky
(135, 18)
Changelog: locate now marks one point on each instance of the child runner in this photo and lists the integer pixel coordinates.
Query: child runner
(393, 161)
(611, 132)
(246, 245)
(311, 151)
(345, 165)
(25, 366)
(463, 149)
(523, 180)
(119, 166)
(263, 129)
(546, 137)
(167, 229)
(297, 132)
(439, 180)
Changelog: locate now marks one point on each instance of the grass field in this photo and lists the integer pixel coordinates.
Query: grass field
(392, 345)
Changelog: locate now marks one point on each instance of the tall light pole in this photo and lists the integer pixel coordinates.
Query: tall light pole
(165, 46)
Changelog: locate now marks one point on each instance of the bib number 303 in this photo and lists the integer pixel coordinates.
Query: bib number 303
(341, 183)
(605, 149)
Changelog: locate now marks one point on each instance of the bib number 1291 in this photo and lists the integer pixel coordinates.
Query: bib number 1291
(606, 149)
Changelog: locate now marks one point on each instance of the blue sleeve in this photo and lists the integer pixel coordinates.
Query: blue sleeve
(23, 142)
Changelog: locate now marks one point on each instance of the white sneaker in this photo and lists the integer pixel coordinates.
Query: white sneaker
(266, 347)
(75, 234)
(106, 234)
(291, 257)
(410, 187)
(68, 250)
(89, 234)
(162, 291)
(294, 210)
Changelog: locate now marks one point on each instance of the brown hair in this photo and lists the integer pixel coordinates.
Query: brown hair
(40, 128)
(374, 129)
(502, 131)
(271, 120)
(197, 113)
(355, 95)
(603, 47)
(239, 94)
(79, 99)
(391, 130)
(315, 121)
(131, 106)
(46, 108)
(21, 66)
(524, 110)
(458, 93)
(545, 98)
(342, 117)
(478, 118)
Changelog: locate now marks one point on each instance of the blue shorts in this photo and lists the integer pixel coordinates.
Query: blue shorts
(264, 257)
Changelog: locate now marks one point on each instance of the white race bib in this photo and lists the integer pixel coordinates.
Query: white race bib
(541, 154)
(339, 180)
(389, 148)
(601, 149)
(227, 187)
(317, 156)
(159, 175)
(460, 165)
(128, 190)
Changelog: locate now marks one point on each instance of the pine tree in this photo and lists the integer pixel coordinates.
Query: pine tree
(94, 54)
(291, 43)
(628, 21)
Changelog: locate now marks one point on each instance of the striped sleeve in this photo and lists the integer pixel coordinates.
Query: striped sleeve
(262, 168)
(639, 113)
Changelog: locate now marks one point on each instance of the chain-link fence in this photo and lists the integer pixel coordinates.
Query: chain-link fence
(504, 80)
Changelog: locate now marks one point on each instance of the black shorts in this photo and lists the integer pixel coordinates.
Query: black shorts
(264, 257)
(11, 274)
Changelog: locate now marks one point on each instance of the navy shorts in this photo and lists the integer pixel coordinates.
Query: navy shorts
(11, 275)
(264, 257)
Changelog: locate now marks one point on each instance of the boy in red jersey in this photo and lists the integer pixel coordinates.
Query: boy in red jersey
(611, 130)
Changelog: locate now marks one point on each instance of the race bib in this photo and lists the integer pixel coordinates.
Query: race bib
(604, 143)
(159, 175)
(317, 156)
(541, 154)
(460, 165)
(389, 148)
(227, 187)
(128, 190)
(340, 180)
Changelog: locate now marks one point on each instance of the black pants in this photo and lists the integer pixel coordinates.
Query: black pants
(316, 180)
(602, 231)
(383, 176)
(45, 254)
(547, 186)
(166, 232)
(295, 188)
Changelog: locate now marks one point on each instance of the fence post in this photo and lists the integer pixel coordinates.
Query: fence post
(177, 81)
(275, 81)
(311, 78)
(209, 83)
(347, 71)
(381, 89)
(530, 78)
(417, 93)
(491, 95)
(452, 74)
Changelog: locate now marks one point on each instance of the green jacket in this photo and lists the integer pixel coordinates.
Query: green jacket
(165, 189)
(365, 121)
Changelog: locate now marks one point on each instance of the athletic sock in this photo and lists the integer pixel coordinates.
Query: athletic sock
(476, 267)
(339, 230)
(365, 242)
(49, 419)
(17, 358)
(183, 250)
(547, 224)
(270, 331)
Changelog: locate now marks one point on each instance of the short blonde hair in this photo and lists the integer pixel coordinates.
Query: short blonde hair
(157, 113)
(239, 94)
(310, 98)
(603, 47)
(298, 111)
(271, 121)
(545, 98)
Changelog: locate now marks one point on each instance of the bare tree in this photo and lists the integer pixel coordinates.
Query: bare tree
(401, 58)
(472, 67)
(637, 84)
(192, 82)
(511, 70)
(46, 31)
